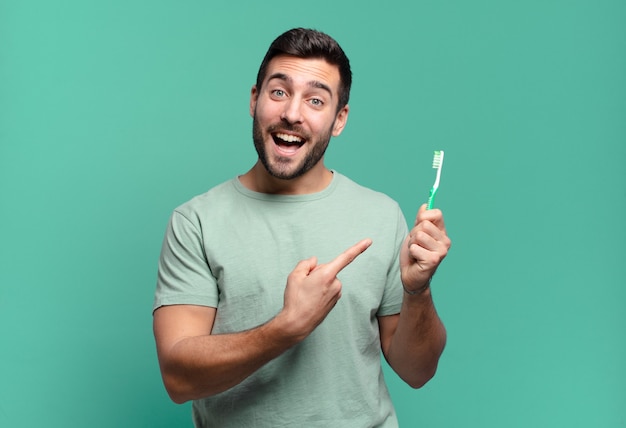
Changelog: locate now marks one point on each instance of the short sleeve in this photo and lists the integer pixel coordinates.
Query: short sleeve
(184, 275)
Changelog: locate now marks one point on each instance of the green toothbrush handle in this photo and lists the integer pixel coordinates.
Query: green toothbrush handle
(431, 198)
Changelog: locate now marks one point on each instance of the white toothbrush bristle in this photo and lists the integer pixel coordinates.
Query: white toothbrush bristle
(438, 159)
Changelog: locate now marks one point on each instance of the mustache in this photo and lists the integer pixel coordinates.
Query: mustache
(276, 127)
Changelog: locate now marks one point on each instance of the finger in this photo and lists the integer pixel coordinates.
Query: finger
(423, 240)
(428, 235)
(348, 256)
(428, 253)
(304, 267)
(421, 210)
(435, 216)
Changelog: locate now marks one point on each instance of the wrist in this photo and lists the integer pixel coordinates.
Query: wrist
(288, 329)
(418, 290)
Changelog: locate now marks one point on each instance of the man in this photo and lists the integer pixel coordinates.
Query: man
(260, 318)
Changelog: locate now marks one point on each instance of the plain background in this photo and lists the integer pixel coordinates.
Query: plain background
(112, 113)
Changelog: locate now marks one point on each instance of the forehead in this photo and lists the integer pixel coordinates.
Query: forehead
(304, 71)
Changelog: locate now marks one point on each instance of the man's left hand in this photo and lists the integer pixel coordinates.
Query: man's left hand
(424, 248)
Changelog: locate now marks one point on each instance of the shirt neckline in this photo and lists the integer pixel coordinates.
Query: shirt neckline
(288, 198)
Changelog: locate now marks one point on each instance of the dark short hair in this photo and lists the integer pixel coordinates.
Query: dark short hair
(308, 43)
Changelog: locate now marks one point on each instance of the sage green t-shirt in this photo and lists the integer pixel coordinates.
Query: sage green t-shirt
(232, 249)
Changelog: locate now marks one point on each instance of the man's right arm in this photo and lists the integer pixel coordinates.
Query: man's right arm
(196, 364)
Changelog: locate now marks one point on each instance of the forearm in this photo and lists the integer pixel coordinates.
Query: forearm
(202, 366)
(196, 363)
(418, 341)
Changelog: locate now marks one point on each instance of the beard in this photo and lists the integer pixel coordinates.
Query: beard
(283, 167)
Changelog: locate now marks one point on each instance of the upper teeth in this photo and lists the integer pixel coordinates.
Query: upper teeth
(289, 138)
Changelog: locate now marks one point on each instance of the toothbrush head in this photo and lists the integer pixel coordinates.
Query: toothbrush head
(437, 164)
(438, 159)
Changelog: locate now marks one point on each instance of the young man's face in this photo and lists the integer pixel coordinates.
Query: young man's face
(295, 115)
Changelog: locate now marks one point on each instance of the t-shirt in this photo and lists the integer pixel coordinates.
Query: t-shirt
(232, 248)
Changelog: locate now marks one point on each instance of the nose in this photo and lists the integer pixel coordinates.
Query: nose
(292, 112)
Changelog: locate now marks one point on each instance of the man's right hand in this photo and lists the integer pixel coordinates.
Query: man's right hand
(313, 290)
(196, 363)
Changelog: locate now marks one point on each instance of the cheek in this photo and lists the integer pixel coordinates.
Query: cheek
(319, 121)
(266, 112)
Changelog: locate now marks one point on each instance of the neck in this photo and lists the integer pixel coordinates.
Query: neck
(259, 180)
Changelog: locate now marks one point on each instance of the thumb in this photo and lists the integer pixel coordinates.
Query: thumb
(305, 267)
(422, 209)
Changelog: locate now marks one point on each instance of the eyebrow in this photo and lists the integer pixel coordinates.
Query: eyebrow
(312, 83)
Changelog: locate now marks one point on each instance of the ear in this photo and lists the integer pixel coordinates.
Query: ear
(341, 120)
(254, 96)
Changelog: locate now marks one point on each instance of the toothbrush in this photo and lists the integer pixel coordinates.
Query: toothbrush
(437, 163)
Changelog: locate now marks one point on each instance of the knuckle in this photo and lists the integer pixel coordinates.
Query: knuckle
(420, 235)
(434, 259)
(326, 275)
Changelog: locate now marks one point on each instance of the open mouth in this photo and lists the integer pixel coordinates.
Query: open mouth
(287, 144)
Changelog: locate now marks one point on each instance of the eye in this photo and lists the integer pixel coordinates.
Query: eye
(279, 93)
(316, 102)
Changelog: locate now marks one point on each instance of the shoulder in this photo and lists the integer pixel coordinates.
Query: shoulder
(220, 196)
(359, 194)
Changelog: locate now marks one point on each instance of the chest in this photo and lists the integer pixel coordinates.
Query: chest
(251, 254)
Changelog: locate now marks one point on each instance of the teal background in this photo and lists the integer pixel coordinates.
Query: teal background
(113, 113)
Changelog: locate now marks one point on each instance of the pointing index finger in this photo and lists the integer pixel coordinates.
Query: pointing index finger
(348, 256)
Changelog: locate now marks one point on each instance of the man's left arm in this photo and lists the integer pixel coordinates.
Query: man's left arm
(413, 340)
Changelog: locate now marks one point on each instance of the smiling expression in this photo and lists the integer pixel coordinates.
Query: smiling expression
(295, 115)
